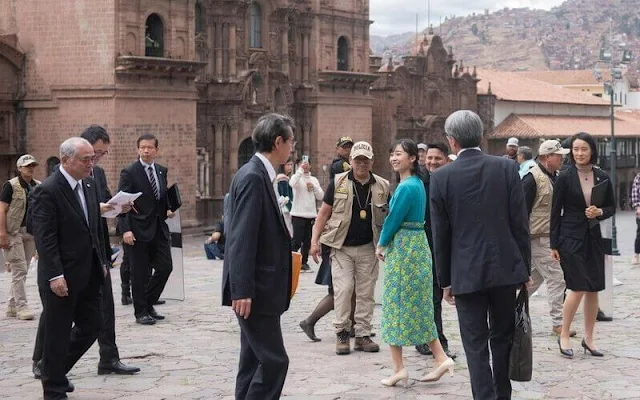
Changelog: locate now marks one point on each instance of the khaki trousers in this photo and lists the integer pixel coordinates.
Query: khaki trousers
(543, 268)
(354, 268)
(21, 250)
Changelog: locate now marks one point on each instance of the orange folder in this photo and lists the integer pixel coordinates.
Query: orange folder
(296, 265)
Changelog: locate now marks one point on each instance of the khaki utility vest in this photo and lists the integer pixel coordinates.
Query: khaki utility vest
(18, 206)
(336, 229)
(539, 224)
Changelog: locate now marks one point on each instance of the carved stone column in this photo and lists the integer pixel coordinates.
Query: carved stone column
(219, 46)
(211, 44)
(217, 161)
(305, 57)
(232, 50)
(233, 149)
(285, 50)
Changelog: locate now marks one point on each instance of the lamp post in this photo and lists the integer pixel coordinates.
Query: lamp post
(613, 157)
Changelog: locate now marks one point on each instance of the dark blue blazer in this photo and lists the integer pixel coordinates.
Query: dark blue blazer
(257, 261)
(480, 223)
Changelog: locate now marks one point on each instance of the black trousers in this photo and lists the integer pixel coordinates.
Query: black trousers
(155, 254)
(63, 346)
(263, 359)
(125, 267)
(302, 229)
(498, 304)
(106, 338)
(637, 243)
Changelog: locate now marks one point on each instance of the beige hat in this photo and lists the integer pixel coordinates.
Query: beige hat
(362, 149)
(552, 147)
(513, 142)
(25, 160)
(422, 146)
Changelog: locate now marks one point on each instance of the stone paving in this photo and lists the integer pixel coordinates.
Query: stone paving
(193, 353)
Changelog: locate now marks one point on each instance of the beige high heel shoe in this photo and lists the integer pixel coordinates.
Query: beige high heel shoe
(401, 375)
(437, 373)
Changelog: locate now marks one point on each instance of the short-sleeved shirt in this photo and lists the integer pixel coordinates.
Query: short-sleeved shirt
(6, 194)
(360, 232)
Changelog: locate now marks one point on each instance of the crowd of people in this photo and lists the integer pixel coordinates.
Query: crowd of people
(461, 226)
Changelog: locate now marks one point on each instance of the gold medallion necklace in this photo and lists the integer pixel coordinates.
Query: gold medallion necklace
(363, 210)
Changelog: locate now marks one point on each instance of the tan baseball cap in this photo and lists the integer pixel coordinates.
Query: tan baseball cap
(362, 149)
(25, 160)
(552, 147)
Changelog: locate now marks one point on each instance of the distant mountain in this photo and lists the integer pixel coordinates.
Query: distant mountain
(569, 36)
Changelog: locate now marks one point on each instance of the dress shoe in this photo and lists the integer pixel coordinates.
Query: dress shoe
(145, 320)
(309, 330)
(594, 352)
(602, 317)
(393, 380)
(306, 268)
(567, 353)
(37, 369)
(70, 387)
(424, 349)
(439, 371)
(116, 367)
(557, 330)
(155, 315)
(126, 299)
(55, 396)
(159, 302)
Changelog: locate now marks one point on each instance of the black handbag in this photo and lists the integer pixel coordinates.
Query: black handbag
(521, 359)
(173, 197)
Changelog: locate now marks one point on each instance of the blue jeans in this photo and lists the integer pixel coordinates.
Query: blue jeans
(212, 251)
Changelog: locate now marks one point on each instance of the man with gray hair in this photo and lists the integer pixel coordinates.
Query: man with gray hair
(66, 225)
(525, 159)
(482, 250)
(257, 271)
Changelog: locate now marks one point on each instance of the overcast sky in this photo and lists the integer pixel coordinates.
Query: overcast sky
(399, 16)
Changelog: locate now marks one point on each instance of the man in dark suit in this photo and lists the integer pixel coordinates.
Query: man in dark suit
(256, 278)
(65, 221)
(145, 231)
(482, 250)
(110, 362)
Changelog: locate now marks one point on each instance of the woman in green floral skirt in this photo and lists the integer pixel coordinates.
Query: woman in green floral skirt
(407, 302)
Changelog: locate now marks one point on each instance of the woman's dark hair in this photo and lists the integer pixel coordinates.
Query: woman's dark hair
(590, 141)
(410, 147)
(281, 168)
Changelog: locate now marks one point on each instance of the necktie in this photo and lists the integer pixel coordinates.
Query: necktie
(82, 206)
(154, 184)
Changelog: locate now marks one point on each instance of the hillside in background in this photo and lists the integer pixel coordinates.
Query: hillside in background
(569, 36)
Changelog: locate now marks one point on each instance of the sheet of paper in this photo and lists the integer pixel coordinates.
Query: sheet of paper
(119, 200)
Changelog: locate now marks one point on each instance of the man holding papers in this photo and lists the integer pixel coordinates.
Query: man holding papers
(145, 232)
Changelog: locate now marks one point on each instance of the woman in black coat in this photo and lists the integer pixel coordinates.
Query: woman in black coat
(576, 240)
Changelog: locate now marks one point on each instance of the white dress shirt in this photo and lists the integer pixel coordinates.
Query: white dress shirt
(470, 148)
(271, 171)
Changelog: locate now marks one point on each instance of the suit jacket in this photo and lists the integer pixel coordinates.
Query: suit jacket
(567, 209)
(151, 213)
(66, 244)
(104, 195)
(257, 262)
(480, 224)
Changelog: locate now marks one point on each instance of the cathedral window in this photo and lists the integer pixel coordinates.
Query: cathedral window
(343, 54)
(199, 18)
(255, 26)
(154, 37)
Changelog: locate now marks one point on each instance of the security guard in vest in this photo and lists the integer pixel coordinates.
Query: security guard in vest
(19, 247)
(538, 188)
(349, 222)
(343, 150)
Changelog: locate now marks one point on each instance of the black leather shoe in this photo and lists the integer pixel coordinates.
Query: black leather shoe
(567, 353)
(602, 317)
(116, 367)
(37, 369)
(70, 387)
(145, 320)
(159, 302)
(155, 315)
(450, 354)
(126, 299)
(594, 352)
(424, 349)
(55, 396)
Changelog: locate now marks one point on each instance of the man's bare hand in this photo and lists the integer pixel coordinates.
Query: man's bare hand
(555, 255)
(59, 287)
(170, 214)
(126, 208)
(380, 253)
(104, 207)
(448, 296)
(4, 241)
(128, 238)
(314, 251)
(242, 307)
